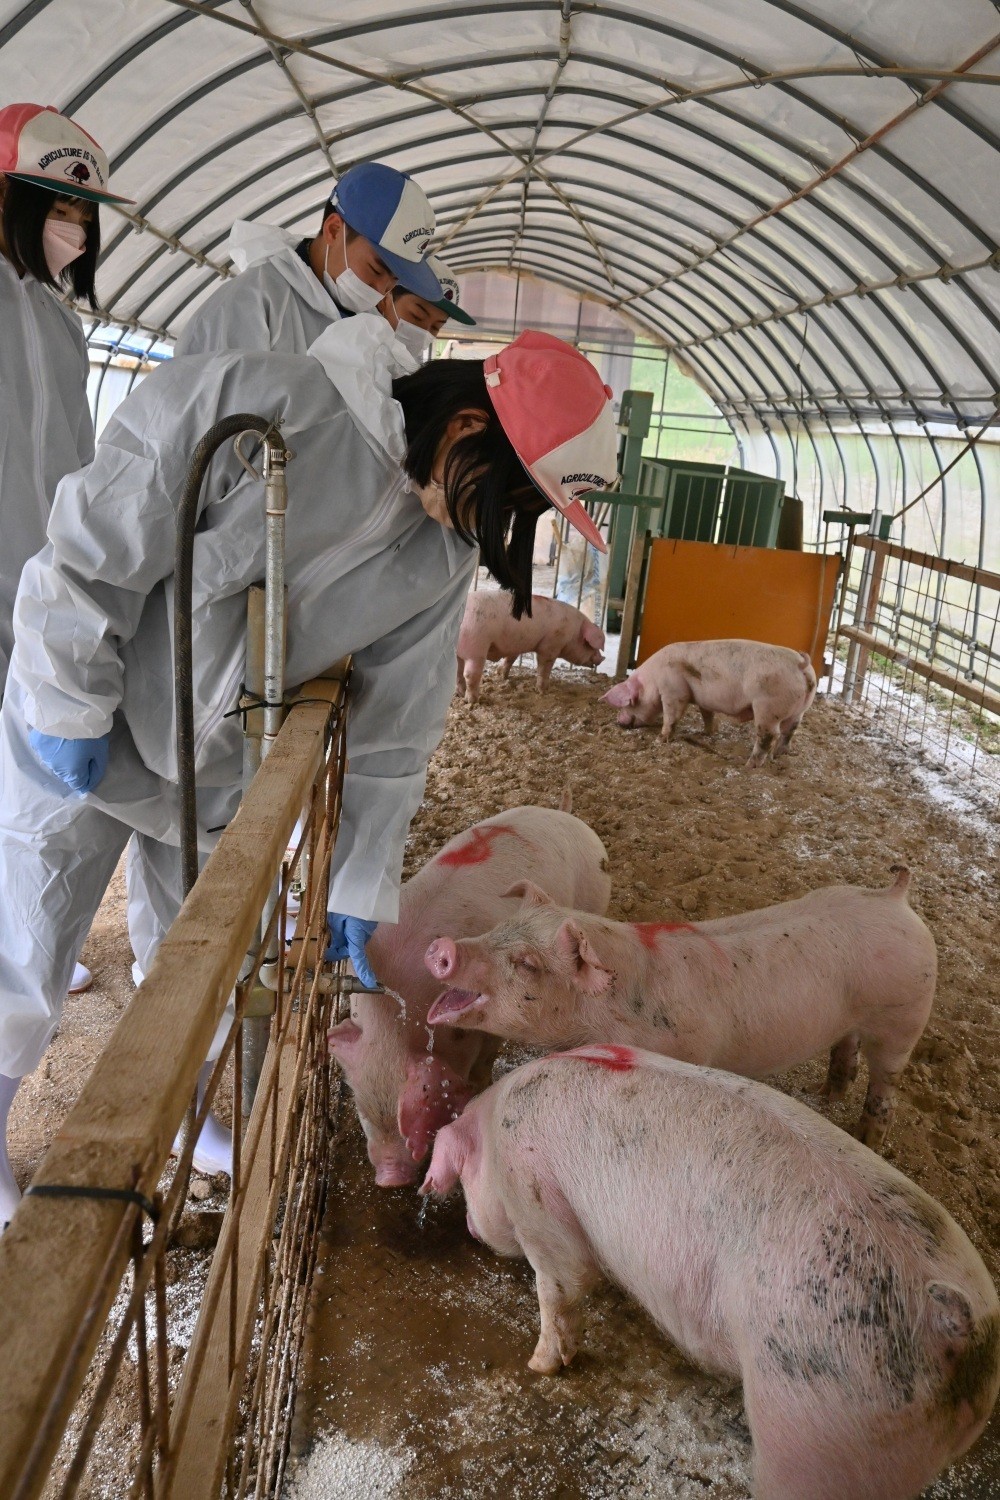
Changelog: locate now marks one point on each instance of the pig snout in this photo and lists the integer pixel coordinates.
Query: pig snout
(442, 958)
(447, 962)
(392, 1173)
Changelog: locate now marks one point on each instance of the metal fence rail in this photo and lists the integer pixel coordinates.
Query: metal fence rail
(83, 1263)
(920, 639)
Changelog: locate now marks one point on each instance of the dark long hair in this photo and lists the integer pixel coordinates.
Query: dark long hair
(25, 209)
(490, 499)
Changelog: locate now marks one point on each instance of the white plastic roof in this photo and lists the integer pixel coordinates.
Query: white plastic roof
(800, 199)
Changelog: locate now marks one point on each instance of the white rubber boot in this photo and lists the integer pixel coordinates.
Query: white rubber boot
(213, 1151)
(82, 979)
(10, 1193)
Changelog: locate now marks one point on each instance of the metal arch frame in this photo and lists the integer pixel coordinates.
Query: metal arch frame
(809, 273)
(698, 44)
(727, 147)
(811, 20)
(724, 145)
(709, 380)
(779, 251)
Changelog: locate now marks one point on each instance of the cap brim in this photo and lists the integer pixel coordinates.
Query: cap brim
(578, 518)
(67, 189)
(458, 314)
(413, 275)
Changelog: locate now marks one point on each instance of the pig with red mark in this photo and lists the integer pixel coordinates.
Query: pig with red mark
(772, 685)
(843, 969)
(553, 630)
(407, 1081)
(763, 1241)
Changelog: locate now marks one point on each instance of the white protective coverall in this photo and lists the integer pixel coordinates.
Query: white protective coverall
(276, 302)
(369, 573)
(45, 425)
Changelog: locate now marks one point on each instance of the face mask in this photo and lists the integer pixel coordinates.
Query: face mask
(62, 243)
(417, 340)
(348, 289)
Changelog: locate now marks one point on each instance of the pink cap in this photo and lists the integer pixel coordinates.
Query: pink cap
(39, 145)
(556, 411)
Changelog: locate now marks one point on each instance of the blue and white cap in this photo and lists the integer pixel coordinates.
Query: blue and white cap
(391, 211)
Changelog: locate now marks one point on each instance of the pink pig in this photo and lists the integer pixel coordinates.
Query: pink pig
(762, 1240)
(403, 1090)
(745, 679)
(490, 633)
(838, 969)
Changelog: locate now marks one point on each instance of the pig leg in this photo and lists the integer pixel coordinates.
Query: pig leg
(707, 720)
(473, 674)
(460, 685)
(843, 1068)
(784, 740)
(673, 712)
(886, 1062)
(767, 730)
(565, 1272)
(544, 669)
(506, 665)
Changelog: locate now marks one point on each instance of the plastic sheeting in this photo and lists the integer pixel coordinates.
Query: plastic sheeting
(555, 138)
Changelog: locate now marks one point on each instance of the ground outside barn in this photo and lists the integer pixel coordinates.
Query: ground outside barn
(415, 1379)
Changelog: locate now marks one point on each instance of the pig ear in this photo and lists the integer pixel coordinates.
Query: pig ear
(593, 635)
(589, 974)
(343, 1040)
(623, 694)
(529, 893)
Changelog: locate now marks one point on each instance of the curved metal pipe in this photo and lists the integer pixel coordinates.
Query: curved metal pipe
(187, 515)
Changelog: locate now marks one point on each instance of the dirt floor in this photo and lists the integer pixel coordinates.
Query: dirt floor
(415, 1381)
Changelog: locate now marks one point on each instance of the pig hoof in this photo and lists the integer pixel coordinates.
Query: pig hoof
(545, 1364)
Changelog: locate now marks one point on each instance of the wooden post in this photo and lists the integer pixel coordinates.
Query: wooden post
(632, 612)
(869, 590)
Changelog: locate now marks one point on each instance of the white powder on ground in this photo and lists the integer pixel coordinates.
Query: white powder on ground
(340, 1468)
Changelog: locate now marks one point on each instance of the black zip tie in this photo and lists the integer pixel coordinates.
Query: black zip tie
(78, 1190)
(251, 702)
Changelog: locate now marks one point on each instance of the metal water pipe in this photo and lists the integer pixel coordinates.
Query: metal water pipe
(265, 655)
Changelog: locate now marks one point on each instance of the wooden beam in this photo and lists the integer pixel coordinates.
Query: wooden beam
(61, 1260)
(946, 565)
(981, 697)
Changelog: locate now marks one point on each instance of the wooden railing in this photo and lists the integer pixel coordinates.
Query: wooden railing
(101, 1227)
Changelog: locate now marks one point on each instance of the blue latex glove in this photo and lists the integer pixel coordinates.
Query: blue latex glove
(348, 939)
(81, 764)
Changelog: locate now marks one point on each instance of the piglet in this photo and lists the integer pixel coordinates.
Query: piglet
(745, 679)
(765, 1243)
(404, 1090)
(838, 969)
(490, 633)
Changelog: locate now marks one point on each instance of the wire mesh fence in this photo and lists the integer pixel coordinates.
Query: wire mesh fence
(101, 1396)
(917, 641)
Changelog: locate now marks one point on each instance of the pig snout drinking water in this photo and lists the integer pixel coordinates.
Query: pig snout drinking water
(407, 1081)
(771, 685)
(764, 1242)
(490, 633)
(843, 968)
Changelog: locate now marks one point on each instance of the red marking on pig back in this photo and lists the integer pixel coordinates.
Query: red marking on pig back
(650, 931)
(606, 1055)
(478, 847)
